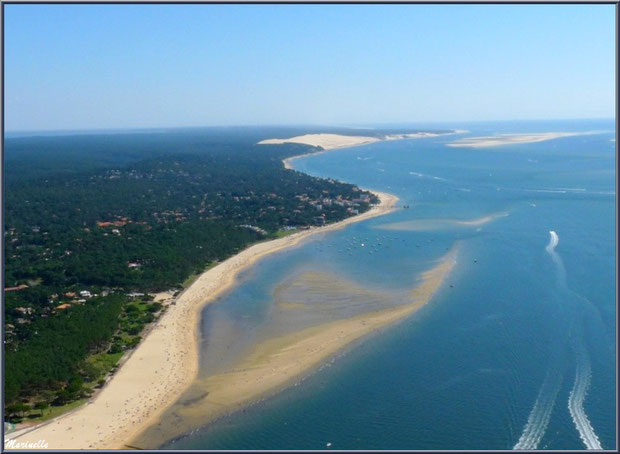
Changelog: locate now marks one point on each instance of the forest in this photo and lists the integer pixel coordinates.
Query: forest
(115, 215)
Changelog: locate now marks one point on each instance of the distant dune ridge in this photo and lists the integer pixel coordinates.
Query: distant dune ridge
(334, 141)
(331, 141)
(325, 141)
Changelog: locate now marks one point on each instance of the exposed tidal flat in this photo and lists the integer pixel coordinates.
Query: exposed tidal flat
(469, 370)
(279, 360)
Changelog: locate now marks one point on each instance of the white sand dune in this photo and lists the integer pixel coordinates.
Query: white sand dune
(325, 141)
(334, 141)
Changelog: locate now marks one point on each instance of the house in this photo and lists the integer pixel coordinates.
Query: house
(15, 289)
(122, 222)
(85, 294)
(24, 310)
(63, 306)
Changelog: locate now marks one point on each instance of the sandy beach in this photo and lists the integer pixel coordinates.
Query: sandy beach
(165, 363)
(511, 139)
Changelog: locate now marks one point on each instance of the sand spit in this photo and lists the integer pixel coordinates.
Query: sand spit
(281, 361)
(421, 225)
(512, 139)
(165, 363)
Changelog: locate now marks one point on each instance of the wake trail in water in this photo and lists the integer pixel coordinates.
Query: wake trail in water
(584, 371)
(538, 420)
(553, 242)
(577, 397)
(550, 248)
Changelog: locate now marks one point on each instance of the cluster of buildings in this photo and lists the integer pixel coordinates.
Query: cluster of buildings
(255, 228)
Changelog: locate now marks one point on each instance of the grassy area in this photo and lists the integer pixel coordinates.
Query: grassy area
(192, 278)
(283, 233)
(136, 315)
(104, 362)
(101, 365)
(52, 412)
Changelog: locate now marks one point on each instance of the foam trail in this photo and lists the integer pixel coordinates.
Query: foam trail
(576, 399)
(583, 373)
(423, 175)
(538, 420)
(553, 242)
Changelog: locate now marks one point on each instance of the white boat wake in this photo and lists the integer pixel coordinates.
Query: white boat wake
(576, 399)
(538, 420)
(553, 242)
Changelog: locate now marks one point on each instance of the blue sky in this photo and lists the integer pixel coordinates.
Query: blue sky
(133, 66)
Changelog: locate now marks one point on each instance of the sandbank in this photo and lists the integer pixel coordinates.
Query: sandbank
(281, 361)
(512, 139)
(434, 224)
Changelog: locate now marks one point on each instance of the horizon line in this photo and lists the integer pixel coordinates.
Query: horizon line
(292, 125)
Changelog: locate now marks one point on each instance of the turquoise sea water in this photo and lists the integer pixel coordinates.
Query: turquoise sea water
(518, 349)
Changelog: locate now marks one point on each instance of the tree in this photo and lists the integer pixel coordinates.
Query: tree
(42, 405)
(19, 407)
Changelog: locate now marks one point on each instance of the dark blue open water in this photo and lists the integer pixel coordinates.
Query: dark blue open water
(519, 350)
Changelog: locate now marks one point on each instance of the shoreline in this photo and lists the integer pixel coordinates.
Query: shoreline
(164, 365)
